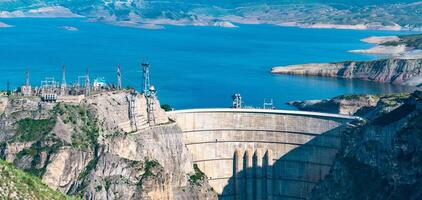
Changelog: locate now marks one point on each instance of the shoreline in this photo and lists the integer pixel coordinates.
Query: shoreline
(399, 51)
(4, 25)
(406, 72)
(148, 23)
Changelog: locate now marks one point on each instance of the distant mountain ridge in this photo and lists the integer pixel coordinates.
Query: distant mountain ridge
(373, 14)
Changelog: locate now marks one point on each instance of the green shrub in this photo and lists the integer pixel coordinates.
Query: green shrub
(198, 176)
(33, 129)
(149, 164)
(166, 107)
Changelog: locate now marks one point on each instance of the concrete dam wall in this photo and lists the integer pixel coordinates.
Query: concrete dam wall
(261, 154)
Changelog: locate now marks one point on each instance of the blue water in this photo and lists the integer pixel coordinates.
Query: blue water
(192, 67)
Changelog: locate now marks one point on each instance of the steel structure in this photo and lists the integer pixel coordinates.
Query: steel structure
(63, 86)
(237, 101)
(119, 78)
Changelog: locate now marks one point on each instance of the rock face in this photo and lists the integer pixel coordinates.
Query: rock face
(380, 159)
(98, 150)
(64, 168)
(396, 71)
(362, 105)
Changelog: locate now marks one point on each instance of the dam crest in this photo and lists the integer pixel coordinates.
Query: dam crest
(262, 154)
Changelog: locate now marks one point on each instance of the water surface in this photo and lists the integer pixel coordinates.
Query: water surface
(192, 67)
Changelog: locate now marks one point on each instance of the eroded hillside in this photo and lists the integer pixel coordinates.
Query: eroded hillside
(93, 150)
(380, 159)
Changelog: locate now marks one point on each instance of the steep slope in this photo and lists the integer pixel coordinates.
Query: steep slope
(16, 184)
(380, 159)
(95, 151)
(396, 71)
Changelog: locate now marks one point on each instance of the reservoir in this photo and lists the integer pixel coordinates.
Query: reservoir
(192, 67)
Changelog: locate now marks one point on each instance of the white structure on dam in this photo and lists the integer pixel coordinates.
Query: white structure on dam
(261, 154)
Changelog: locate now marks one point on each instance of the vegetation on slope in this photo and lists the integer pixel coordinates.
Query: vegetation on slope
(16, 184)
(198, 177)
(413, 41)
(32, 129)
(85, 132)
(46, 143)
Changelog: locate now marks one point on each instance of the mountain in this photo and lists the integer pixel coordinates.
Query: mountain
(374, 14)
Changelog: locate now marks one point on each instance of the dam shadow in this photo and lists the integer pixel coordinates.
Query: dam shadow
(258, 175)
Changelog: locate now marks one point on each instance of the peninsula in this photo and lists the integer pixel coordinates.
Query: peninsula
(404, 66)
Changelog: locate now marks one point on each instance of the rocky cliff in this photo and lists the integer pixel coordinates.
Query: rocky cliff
(380, 159)
(96, 151)
(396, 71)
(358, 104)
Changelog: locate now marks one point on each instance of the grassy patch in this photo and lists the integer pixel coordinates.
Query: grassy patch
(33, 129)
(198, 176)
(91, 165)
(84, 122)
(35, 153)
(149, 165)
(414, 41)
(166, 107)
(24, 185)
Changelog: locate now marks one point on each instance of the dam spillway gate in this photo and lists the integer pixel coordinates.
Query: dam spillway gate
(261, 154)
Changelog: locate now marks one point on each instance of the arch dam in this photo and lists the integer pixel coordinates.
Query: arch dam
(262, 154)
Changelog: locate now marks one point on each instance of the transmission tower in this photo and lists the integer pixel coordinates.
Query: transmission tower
(149, 92)
(26, 89)
(63, 86)
(119, 78)
(87, 84)
(132, 114)
(145, 70)
(27, 78)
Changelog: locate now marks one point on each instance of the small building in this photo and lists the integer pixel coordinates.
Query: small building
(99, 83)
(26, 90)
(76, 99)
